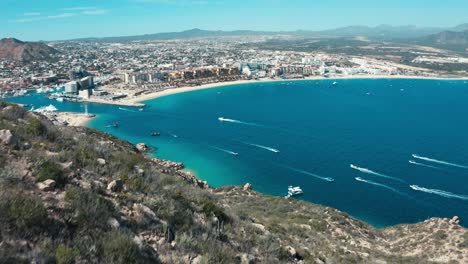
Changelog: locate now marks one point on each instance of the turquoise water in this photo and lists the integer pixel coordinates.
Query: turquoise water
(319, 131)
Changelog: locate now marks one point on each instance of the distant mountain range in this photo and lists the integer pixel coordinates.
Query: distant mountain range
(13, 49)
(379, 32)
(455, 38)
(451, 40)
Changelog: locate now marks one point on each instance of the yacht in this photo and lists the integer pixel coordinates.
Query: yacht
(294, 191)
(222, 119)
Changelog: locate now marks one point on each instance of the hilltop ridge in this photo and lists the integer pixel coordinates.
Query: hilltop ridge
(16, 50)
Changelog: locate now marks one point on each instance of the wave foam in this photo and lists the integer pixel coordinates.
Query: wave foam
(222, 119)
(379, 184)
(328, 179)
(423, 165)
(439, 192)
(365, 170)
(263, 147)
(128, 110)
(440, 161)
(226, 151)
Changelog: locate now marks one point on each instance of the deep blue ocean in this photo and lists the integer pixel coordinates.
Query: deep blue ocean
(317, 130)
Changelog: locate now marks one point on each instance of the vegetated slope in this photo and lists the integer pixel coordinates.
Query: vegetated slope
(110, 204)
(13, 49)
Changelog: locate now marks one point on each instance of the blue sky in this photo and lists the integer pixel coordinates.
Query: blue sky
(65, 19)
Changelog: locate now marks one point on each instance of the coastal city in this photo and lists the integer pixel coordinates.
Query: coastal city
(233, 132)
(123, 73)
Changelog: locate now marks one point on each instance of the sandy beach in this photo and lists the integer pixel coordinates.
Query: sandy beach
(74, 119)
(136, 101)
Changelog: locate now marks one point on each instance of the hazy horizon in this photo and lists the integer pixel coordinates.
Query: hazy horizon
(53, 20)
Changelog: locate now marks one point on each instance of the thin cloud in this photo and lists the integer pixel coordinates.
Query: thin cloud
(96, 12)
(174, 2)
(63, 15)
(32, 14)
(59, 16)
(79, 8)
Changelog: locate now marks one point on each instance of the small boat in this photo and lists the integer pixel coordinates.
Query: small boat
(294, 191)
(59, 99)
(155, 134)
(116, 124)
(334, 83)
(222, 119)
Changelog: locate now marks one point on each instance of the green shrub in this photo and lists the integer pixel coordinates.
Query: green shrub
(49, 170)
(129, 161)
(135, 184)
(36, 127)
(84, 155)
(210, 209)
(89, 210)
(65, 255)
(21, 212)
(119, 248)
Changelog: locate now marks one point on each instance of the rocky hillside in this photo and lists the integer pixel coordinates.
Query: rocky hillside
(75, 195)
(13, 49)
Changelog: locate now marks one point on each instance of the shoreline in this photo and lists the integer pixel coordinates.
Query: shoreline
(74, 119)
(137, 101)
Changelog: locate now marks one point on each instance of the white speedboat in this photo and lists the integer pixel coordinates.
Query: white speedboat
(294, 191)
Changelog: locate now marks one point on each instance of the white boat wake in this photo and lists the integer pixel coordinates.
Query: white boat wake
(222, 119)
(440, 162)
(439, 192)
(328, 179)
(128, 110)
(365, 170)
(263, 147)
(423, 165)
(380, 185)
(226, 151)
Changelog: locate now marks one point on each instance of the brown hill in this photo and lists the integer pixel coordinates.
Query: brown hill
(13, 49)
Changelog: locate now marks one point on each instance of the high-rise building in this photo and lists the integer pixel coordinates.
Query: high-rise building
(71, 87)
(86, 83)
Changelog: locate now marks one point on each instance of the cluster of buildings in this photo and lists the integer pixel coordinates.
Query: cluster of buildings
(159, 65)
